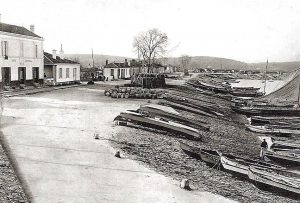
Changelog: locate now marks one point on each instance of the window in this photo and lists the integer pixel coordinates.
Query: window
(111, 72)
(21, 49)
(67, 72)
(4, 45)
(36, 51)
(60, 73)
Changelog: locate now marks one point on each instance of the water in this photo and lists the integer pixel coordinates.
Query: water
(271, 86)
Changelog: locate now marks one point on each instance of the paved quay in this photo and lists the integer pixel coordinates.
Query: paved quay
(51, 136)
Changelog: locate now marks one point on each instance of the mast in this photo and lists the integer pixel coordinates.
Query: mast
(93, 58)
(266, 78)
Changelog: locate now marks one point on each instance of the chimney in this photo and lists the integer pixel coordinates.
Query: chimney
(32, 28)
(126, 63)
(54, 53)
(61, 52)
(106, 62)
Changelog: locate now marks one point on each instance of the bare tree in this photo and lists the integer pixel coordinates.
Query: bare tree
(150, 46)
(185, 60)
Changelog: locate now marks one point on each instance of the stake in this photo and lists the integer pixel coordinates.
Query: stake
(265, 78)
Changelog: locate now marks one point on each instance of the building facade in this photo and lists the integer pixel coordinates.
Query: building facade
(21, 59)
(59, 71)
(117, 70)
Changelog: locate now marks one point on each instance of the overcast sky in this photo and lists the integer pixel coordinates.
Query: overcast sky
(246, 30)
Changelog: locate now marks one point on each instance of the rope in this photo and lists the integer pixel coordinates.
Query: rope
(217, 164)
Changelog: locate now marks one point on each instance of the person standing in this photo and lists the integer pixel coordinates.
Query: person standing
(263, 149)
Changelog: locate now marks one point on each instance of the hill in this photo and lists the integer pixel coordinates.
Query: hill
(196, 62)
(210, 62)
(99, 60)
(276, 66)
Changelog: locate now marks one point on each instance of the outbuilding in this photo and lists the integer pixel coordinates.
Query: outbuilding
(59, 71)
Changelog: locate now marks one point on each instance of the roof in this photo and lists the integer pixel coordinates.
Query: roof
(116, 65)
(49, 60)
(16, 30)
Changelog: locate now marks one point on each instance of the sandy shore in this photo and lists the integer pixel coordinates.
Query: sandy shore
(51, 137)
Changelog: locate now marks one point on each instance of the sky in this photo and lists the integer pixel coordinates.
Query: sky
(245, 30)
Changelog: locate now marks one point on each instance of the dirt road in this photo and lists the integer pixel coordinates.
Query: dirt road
(51, 137)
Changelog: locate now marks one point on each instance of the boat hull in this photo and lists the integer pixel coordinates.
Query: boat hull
(274, 180)
(160, 124)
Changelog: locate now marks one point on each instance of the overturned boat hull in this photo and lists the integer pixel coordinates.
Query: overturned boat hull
(160, 124)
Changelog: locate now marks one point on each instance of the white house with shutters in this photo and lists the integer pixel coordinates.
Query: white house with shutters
(59, 70)
(21, 59)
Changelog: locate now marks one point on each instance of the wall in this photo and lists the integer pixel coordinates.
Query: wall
(64, 67)
(106, 73)
(17, 59)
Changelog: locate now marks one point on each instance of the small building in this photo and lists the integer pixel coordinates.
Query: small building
(117, 70)
(59, 71)
(21, 57)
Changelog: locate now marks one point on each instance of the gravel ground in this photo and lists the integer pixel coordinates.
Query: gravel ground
(10, 187)
(160, 151)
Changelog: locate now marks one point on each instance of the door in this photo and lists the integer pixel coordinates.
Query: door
(35, 74)
(122, 73)
(22, 75)
(6, 76)
(74, 74)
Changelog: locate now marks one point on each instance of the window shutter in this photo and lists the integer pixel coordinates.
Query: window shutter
(2, 48)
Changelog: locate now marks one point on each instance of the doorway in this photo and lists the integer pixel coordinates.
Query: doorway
(22, 75)
(35, 74)
(6, 76)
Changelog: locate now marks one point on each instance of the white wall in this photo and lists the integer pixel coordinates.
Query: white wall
(71, 77)
(15, 58)
(106, 73)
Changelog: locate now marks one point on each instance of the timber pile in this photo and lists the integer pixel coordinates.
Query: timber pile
(148, 80)
(133, 92)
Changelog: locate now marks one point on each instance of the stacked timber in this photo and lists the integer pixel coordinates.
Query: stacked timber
(148, 80)
(133, 92)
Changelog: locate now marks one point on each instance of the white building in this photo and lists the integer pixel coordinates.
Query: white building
(21, 59)
(117, 70)
(59, 70)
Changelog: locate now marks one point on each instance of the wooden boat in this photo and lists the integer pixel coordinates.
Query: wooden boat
(189, 103)
(285, 145)
(278, 120)
(276, 178)
(131, 116)
(211, 157)
(266, 111)
(276, 144)
(190, 150)
(240, 165)
(160, 110)
(274, 119)
(286, 158)
(268, 130)
(206, 86)
(186, 108)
